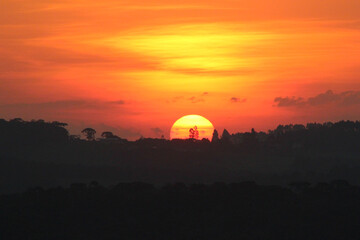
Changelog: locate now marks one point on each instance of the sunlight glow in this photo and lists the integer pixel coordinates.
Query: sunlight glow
(180, 129)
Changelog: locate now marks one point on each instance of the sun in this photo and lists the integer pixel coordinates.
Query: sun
(192, 126)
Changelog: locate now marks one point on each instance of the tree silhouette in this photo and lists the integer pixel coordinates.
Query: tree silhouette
(225, 137)
(74, 137)
(107, 135)
(17, 120)
(89, 133)
(59, 124)
(215, 136)
(194, 133)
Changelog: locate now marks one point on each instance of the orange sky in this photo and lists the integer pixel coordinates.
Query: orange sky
(134, 67)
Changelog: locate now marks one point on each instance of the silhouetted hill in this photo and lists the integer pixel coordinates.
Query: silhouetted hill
(39, 153)
(137, 210)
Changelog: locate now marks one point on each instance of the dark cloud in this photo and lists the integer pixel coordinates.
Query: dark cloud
(54, 104)
(288, 101)
(200, 98)
(324, 98)
(194, 99)
(237, 100)
(347, 98)
(351, 97)
(157, 131)
(65, 104)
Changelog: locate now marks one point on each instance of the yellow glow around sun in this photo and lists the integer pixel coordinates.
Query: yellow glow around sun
(181, 128)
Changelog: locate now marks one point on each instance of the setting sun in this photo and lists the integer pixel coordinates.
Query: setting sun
(192, 126)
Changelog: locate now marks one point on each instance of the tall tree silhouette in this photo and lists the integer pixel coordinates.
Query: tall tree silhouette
(215, 136)
(89, 133)
(194, 133)
(225, 137)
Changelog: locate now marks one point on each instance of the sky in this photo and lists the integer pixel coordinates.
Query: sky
(135, 67)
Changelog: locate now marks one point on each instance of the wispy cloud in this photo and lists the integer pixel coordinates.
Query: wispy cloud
(194, 99)
(62, 104)
(347, 98)
(238, 100)
(289, 101)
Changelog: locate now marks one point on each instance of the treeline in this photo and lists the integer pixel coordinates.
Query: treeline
(18, 132)
(242, 210)
(343, 135)
(39, 153)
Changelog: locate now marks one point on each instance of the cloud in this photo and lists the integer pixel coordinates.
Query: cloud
(289, 101)
(347, 98)
(66, 109)
(200, 98)
(194, 99)
(61, 104)
(237, 100)
(158, 132)
(66, 104)
(351, 97)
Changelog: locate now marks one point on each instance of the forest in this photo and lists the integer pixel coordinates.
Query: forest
(138, 210)
(39, 153)
(293, 182)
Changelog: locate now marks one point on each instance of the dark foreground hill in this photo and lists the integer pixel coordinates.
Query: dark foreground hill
(217, 211)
